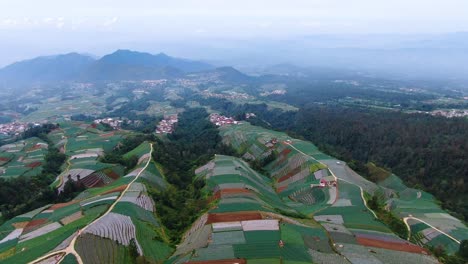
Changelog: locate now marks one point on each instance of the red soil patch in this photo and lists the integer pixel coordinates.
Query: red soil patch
(234, 191)
(112, 174)
(93, 125)
(61, 205)
(4, 159)
(33, 224)
(20, 224)
(231, 217)
(220, 261)
(34, 164)
(406, 247)
(216, 196)
(290, 174)
(35, 147)
(116, 189)
(107, 134)
(280, 189)
(285, 152)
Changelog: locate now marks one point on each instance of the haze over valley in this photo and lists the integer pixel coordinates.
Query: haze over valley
(254, 132)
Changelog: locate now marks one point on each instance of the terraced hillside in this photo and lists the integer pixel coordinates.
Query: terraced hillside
(306, 207)
(98, 226)
(253, 223)
(299, 166)
(22, 158)
(84, 144)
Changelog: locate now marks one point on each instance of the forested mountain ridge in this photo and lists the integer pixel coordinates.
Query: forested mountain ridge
(64, 67)
(120, 65)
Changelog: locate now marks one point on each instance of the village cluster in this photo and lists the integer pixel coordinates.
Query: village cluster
(166, 126)
(227, 95)
(450, 113)
(114, 123)
(220, 120)
(277, 92)
(14, 128)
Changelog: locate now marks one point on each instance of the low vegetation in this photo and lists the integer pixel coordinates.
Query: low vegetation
(376, 203)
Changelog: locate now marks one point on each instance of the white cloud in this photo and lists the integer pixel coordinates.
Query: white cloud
(110, 22)
(9, 22)
(60, 22)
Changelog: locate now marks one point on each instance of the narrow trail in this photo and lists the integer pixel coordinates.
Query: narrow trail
(68, 160)
(71, 247)
(405, 219)
(334, 176)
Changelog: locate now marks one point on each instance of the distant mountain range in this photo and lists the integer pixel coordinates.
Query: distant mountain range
(120, 65)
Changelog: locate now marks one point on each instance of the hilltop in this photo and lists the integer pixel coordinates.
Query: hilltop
(120, 65)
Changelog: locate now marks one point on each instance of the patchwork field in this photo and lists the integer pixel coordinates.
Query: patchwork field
(22, 158)
(100, 223)
(252, 223)
(326, 189)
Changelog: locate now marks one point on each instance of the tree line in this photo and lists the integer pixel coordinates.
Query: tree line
(427, 152)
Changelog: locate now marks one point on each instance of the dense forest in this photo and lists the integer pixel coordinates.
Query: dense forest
(425, 151)
(193, 143)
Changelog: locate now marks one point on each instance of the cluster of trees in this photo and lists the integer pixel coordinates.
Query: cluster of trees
(375, 92)
(193, 143)
(40, 131)
(377, 203)
(126, 145)
(34, 191)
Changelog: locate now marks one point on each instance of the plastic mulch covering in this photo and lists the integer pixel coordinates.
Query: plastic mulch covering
(215, 252)
(262, 237)
(326, 258)
(339, 237)
(227, 226)
(361, 254)
(198, 239)
(232, 237)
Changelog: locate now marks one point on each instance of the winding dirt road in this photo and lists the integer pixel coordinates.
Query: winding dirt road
(70, 249)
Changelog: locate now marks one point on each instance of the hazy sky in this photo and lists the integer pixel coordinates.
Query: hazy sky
(29, 28)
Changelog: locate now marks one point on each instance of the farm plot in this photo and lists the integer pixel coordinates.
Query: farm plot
(31, 249)
(51, 108)
(257, 194)
(80, 141)
(95, 249)
(153, 241)
(353, 211)
(140, 199)
(98, 200)
(141, 150)
(248, 228)
(22, 158)
(130, 209)
(153, 175)
(11, 225)
(342, 171)
(115, 227)
(423, 206)
(362, 254)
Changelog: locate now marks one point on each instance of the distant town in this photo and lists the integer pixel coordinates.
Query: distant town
(450, 113)
(15, 128)
(220, 120)
(114, 123)
(166, 126)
